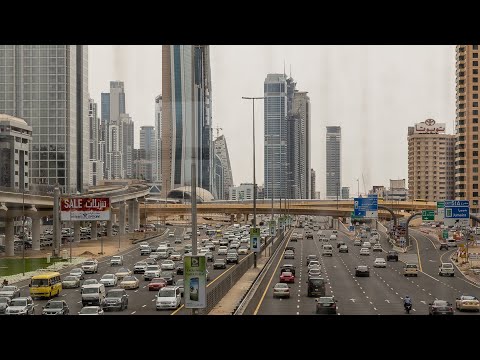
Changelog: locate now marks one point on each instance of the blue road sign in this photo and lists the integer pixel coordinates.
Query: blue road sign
(457, 212)
(351, 228)
(366, 207)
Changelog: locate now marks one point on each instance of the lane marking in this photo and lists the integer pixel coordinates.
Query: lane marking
(418, 255)
(429, 276)
(133, 312)
(144, 306)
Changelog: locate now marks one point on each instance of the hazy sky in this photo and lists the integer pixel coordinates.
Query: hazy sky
(373, 92)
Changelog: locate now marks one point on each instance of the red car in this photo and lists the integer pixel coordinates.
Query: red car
(156, 284)
(287, 277)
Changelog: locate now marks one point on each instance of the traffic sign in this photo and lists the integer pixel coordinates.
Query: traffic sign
(445, 234)
(255, 239)
(428, 215)
(457, 212)
(351, 228)
(272, 227)
(402, 241)
(440, 210)
(366, 207)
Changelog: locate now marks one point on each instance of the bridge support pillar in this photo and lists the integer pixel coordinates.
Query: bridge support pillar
(136, 213)
(131, 220)
(121, 225)
(9, 236)
(232, 218)
(36, 233)
(76, 231)
(109, 228)
(245, 218)
(94, 230)
(238, 218)
(182, 217)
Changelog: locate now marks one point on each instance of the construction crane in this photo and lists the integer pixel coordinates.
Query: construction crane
(364, 187)
(218, 130)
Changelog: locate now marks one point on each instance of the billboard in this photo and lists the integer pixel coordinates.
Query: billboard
(429, 126)
(84, 209)
(195, 288)
(255, 239)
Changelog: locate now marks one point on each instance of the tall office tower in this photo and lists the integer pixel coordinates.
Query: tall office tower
(127, 144)
(431, 165)
(466, 126)
(104, 122)
(47, 86)
(313, 184)
(186, 97)
(96, 147)
(218, 179)
(158, 140)
(15, 139)
(345, 192)
(221, 150)
(275, 135)
(334, 158)
(147, 143)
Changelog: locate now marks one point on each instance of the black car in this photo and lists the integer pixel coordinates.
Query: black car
(326, 305)
(392, 255)
(340, 243)
(180, 268)
(440, 307)
(293, 239)
(443, 245)
(56, 307)
(232, 258)
(362, 270)
(316, 286)
(309, 236)
(311, 257)
(287, 268)
(220, 263)
(115, 299)
(168, 276)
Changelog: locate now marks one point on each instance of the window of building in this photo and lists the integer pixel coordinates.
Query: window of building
(475, 71)
(475, 153)
(475, 55)
(475, 137)
(475, 169)
(475, 145)
(475, 104)
(475, 194)
(475, 161)
(475, 120)
(475, 186)
(475, 96)
(475, 128)
(475, 112)
(475, 88)
(475, 63)
(475, 47)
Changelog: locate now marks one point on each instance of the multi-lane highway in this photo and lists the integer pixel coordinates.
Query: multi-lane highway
(140, 301)
(381, 293)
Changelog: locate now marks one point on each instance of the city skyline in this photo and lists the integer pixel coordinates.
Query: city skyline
(421, 76)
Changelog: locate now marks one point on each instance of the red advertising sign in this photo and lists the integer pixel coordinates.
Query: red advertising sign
(84, 209)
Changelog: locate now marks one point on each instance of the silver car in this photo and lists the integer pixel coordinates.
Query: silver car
(71, 282)
(167, 265)
(281, 290)
(109, 280)
(10, 291)
(21, 306)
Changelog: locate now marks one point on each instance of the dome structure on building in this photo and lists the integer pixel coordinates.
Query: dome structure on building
(184, 192)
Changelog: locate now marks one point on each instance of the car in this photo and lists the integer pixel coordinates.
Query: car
(311, 257)
(357, 242)
(313, 263)
(362, 270)
(364, 251)
(366, 244)
(294, 238)
(91, 310)
(443, 245)
(232, 257)
(326, 305)
(379, 263)
(446, 269)
(209, 256)
(21, 306)
(287, 268)
(176, 256)
(154, 255)
(179, 268)
(327, 249)
(167, 265)
(151, 261)
(314, 272)
(122, 272)
(222, 250)
(220, 263)
(281, 290)
(115, 299)
(140, 267)
(410, 269)
(316, 286)
(178, 240)
(168, 297)
(187, 249)
(340, 243)
(343, 249)
(168, 276)
(440, 307)
(56, 307)
(78, 272)
(171, 234)
(109, 280)
(90, 267)
(152, 271)
(467, 302)
(287, 277)
(333, 237)
(89, 282)
(145, 250)
(156, 284)
(10, 291)
(392, 255)
(71, 282)
(243, 250)
(377, 247)
(116, 260)
(289, 254)
(130, 282)
(451, 242)
(4, 303)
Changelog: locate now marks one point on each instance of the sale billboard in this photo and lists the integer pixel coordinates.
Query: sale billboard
(84, 209)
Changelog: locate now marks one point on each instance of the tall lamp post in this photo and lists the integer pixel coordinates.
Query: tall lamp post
(254, 179)
(23, 229)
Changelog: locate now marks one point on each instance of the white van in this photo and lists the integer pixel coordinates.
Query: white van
(93, 294)
(327, 249)
(168, 297)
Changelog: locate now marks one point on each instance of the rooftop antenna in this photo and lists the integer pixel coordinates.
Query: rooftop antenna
(284, 73)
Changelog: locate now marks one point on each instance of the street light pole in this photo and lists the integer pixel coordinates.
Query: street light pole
(337, 195)
(23, 229)
(254, 178)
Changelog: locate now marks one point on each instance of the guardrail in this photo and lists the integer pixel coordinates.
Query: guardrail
(228, 279)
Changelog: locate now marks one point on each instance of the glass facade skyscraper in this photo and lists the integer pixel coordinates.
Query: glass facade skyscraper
(333, 169)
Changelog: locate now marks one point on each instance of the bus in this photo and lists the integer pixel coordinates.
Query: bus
(45, 285)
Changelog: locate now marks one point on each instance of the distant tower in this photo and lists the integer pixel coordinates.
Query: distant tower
(334, 158)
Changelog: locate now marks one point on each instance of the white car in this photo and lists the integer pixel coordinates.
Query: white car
(357, 242)
(446, 269)
(78, 272)
(171, 234)
(377, 247)
(109, 280)
(169, 297)
(243, 250)
(116, 260)
(167, 265)
(333, 237)
(222, 250)
(151, 272)
(380, 263)
(90, 267)
(367, 245)
(313, 263)
(364, 251)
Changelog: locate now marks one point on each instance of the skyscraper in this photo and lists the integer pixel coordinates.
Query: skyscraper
(148, 144)
(466, 126)
(313, 181)
(333, 168)
(221, 150)
(47, 86)
(95, 150)
(157, 168)
(127, 130)
(186, 97)
(275, 136)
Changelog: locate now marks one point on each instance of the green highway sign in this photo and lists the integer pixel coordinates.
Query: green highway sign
(445, 234)
(440, 204)
(428, 215)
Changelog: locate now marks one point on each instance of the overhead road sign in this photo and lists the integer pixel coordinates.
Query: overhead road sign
(428, 215)
(366, 207)
(440, 210)
(457, 212)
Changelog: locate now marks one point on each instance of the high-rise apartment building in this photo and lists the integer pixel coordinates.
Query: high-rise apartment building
(96, 147)
(127, 129)
(313, 184)
(333, 168)
(275, 136)
(148, 144)
(47, 86)
(466, 126)
(242, 192)
(345, 192)
(221, 150)
(431, 165)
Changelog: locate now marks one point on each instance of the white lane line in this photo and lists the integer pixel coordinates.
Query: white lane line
(429, 294)
(133, 312)
(78, 302)
(371, 303)
(298, 313)
(144, 286)
(153, 299)
(374, 308)
(431, 277)
(414, 310)
(298, 306)
(143, 306)
(396, 293)
(298, 300)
